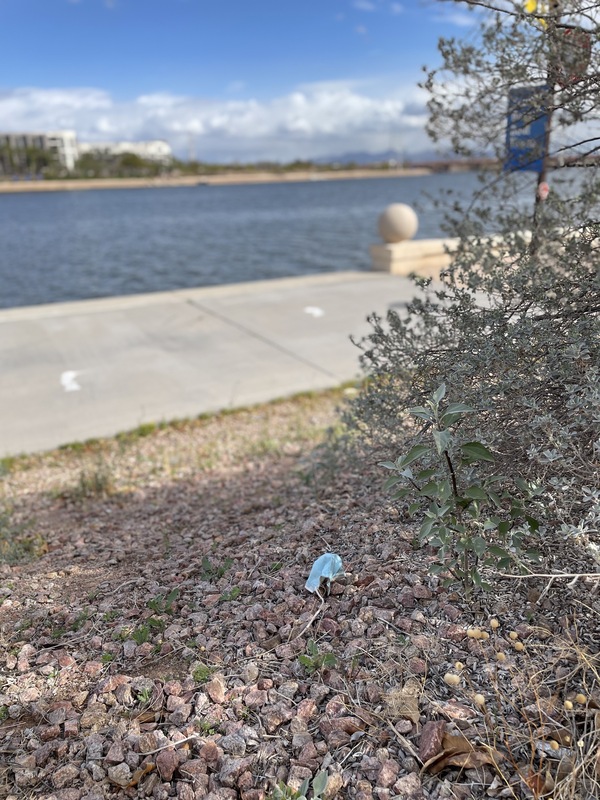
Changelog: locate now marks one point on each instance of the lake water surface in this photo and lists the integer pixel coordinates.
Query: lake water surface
(75, 245)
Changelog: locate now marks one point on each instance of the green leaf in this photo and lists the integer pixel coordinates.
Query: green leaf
(413, 454)
(495, 499)
(476, 493)
(391, 482)
(454, 412)
(439, 394)
(319, 783)
(436, 569)
(442, 440)
(421, 412)
(401, 494)
(170, 598)
(522, 485)
(444, 490)
(304, 787)
(430, 489)
(533, 555)
(533, 523)
(499, 552)
(479, 545)
(475, 451)
(387, 464)
(459, 408)
(425, 474)
(413, 508)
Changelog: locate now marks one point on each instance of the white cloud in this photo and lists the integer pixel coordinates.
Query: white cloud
(361, 30)
(397, 8)
(461, 19)
(313, 120)
(364, 5)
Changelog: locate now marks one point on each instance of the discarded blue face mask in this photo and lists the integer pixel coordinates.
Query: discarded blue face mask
(325, 569)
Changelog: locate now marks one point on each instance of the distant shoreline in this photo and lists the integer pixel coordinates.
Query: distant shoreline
(227, 178)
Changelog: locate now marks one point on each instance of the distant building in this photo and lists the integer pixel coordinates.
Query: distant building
(67, 150)
(62, 143)
(154, 150)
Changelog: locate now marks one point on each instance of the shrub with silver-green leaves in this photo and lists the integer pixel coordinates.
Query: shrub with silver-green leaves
(470, 515)
(513, 326)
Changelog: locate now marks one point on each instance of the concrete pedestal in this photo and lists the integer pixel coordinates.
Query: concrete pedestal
(426, 257)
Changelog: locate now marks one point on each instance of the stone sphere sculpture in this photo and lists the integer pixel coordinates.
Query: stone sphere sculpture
(398, 223)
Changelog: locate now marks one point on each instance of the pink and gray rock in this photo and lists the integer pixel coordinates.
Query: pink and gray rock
(430, 743)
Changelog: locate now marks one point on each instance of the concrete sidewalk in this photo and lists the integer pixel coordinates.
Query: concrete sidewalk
(72, 371)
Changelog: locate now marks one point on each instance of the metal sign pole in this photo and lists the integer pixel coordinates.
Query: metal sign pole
(542, 188)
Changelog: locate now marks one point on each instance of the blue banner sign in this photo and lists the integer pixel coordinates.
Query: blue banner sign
(526, 128)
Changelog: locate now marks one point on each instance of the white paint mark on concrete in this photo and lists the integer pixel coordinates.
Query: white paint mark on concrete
(314, 311)
(68, 382)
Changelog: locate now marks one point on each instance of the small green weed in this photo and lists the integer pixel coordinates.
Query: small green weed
(143, 430)
(93, 483)
(207, 727)
(144, 696)
(15, 544)
(318, 786)
(202, 673)
(7, 464)
(211, 571)
(107, 658)
(80, 620)
(232, 594)
(141, 634)
(163, 604)
(3, 713)
(314, 660)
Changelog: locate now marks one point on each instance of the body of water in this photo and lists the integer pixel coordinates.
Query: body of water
(100, 243)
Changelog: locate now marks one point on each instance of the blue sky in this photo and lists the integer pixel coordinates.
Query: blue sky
(224, 79)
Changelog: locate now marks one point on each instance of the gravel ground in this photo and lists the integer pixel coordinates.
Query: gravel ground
(157, 639)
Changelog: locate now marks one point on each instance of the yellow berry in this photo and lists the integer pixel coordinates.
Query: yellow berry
(494, 624)
(519, 646)
(554, 745)
(473, 633)
(513, 635)
(500, 656)
(451, 679)
(479, 700)
(581, 699)
(458, 666)
(568, 705)
(484, 635)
